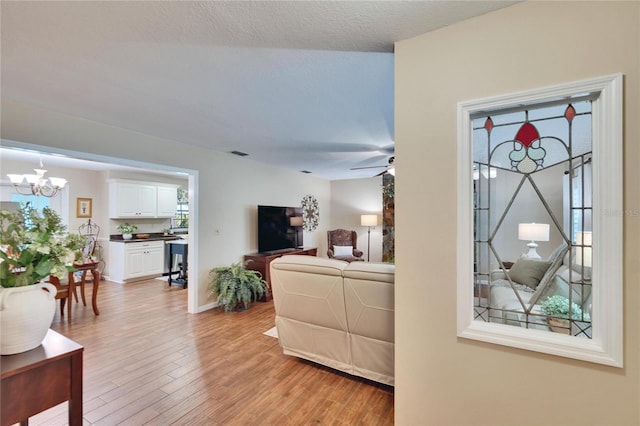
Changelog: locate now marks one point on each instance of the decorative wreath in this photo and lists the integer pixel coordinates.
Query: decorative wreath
(310, 213)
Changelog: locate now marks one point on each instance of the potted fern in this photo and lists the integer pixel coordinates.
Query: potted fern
(236, 286)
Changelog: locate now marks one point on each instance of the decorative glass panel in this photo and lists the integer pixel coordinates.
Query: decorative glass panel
(520, 198)
(539, 252)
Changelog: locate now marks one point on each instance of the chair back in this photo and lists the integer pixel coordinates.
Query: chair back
(341, 237)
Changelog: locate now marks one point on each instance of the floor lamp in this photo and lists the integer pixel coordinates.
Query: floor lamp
(369, 220)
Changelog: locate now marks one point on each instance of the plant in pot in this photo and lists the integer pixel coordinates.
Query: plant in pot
(236, 286)
(558, 311)
(33, 247)
(127, 230)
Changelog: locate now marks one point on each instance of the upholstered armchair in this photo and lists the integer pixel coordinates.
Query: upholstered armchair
(346, 242)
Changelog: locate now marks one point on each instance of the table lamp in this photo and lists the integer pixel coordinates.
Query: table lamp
(296, 222)
(533, 232)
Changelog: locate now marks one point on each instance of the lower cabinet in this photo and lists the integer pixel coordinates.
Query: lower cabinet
(131, 261)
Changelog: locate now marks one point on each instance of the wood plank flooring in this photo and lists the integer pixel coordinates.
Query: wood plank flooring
(147, 361)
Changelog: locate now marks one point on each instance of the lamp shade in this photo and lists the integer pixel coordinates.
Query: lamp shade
(16, 179)
(533, 231)
(58, 182)
(369, 220)
(295, 220)
(583, 254)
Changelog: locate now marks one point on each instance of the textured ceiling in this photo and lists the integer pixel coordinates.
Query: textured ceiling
(299, 84)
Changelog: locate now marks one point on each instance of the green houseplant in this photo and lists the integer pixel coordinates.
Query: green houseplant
(127, 230)
(558, 310)
(32, 247)
(236, 286)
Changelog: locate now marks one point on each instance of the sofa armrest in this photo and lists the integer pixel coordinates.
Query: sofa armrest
(498, 274)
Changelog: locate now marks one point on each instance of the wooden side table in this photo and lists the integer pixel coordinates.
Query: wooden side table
(42, 378)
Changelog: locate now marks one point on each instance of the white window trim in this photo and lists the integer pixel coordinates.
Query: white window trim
(606, 345)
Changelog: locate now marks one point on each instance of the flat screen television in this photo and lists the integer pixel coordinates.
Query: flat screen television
(276, 230)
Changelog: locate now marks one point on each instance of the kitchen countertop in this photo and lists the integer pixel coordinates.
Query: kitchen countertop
(178, 241)
(117, 238)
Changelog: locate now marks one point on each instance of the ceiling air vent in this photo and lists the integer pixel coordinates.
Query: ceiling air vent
(239, 153)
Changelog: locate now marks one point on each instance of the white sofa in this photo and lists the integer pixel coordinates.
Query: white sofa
(556, 281)
(336, 313)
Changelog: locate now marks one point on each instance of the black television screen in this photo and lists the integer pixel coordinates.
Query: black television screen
(276, 230)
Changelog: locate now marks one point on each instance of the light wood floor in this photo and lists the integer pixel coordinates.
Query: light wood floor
(146, 361)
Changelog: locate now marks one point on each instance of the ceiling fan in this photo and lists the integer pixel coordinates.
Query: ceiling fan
(390, 168)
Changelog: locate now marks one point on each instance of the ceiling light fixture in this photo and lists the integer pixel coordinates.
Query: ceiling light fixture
(37, 184)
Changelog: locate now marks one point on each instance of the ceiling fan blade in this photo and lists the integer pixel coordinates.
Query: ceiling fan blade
(369, 167)
(389, 149)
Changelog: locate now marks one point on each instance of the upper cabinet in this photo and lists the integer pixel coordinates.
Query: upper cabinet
(167, 200)
(130, 199)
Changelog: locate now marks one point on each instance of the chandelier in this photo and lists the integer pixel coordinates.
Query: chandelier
(37, 184)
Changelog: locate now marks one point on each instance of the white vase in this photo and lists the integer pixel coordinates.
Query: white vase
(26, 314)
(127, 236)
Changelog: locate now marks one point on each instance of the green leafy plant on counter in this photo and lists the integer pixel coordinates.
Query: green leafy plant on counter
(127, 228)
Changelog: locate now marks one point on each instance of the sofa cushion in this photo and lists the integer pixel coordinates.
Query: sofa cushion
(343, 250)
(309, 290)
(310, 264)
(528, 271)
(556, 260)
(371, 271)
(569, 275)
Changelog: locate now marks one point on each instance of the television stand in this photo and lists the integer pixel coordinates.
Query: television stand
(260, 262)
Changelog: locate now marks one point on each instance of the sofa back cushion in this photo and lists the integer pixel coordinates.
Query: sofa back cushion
(369, 299)
(309, 289)
(556, 260)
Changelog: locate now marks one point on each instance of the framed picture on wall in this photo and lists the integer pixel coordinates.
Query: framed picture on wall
(83, 207)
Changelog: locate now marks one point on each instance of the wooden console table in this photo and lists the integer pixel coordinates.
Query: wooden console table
(42, 378)
(260, 262)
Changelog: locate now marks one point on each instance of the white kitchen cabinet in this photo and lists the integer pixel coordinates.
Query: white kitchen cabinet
(167, 200)
(129, 261)
(132, 200)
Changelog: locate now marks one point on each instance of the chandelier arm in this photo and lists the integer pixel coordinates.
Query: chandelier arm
(47, 190)
(20, 189)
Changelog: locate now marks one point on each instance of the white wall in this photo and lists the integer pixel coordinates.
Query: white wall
(444, 380)
(352, 198)
(229, 187)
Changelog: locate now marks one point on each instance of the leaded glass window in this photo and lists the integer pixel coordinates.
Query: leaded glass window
(533, 216)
